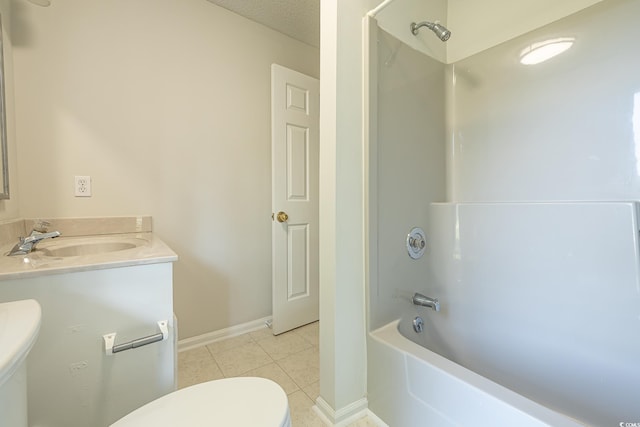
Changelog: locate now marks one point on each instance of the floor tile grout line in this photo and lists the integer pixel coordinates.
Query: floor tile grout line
(212, 355)
(304, 415)
(288, 354)
(293, 379)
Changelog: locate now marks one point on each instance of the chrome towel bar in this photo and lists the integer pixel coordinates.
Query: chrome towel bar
(110, 348)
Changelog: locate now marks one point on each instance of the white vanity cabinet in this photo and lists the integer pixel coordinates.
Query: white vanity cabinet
(71, 381)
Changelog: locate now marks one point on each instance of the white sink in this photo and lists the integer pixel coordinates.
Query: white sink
(87, 249)
(71, 247)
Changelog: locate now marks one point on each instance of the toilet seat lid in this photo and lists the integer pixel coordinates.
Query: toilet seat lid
(242, 401)
(19, 327)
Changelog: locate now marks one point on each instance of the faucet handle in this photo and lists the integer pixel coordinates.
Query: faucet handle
(41, 225)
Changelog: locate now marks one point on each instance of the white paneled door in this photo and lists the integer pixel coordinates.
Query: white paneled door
(294, 144)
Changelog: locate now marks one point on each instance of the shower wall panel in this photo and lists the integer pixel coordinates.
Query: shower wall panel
(480, 25)
(542, 298)
(564, 129)
(410, 164)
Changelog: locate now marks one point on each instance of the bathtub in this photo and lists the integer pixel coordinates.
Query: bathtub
(538, 323)
(410, 385)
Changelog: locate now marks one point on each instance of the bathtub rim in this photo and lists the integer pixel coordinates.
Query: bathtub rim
(390, 335)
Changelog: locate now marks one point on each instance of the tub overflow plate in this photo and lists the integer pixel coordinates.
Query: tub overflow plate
(418, 324)
(416, 242)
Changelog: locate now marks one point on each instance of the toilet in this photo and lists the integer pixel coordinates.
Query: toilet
(19, 327)
(230, 402)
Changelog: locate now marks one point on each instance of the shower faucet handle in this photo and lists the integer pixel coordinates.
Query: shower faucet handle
(417, 243)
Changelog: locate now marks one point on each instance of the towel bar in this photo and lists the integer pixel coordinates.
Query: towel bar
(110, 348)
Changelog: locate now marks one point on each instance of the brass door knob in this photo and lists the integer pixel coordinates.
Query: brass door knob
(282, 216)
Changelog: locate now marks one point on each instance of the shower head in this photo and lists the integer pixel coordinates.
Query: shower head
(440, 30)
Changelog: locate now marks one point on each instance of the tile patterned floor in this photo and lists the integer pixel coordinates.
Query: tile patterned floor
(291, 360)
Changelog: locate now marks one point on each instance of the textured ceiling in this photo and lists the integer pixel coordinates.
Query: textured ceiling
(299, 19)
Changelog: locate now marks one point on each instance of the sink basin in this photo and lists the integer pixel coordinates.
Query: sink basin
(87, 249)
(80, 247)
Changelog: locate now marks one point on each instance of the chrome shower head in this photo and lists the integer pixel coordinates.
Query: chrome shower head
(440, 30)
(442, 33)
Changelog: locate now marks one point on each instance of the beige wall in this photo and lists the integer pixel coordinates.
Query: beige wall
(166, 105)
(9, 208)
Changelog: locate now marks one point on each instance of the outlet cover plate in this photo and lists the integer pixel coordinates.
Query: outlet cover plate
(83, 186)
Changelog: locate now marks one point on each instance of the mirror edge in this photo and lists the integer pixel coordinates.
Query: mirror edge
(4, 194)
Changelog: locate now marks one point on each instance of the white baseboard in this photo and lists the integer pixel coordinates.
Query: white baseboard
(210, 337)
(343, 416)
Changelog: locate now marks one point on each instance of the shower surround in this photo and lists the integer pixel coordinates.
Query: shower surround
(532, 227)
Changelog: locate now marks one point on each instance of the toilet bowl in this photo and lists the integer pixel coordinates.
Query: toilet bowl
(230, 402)
(19, 327)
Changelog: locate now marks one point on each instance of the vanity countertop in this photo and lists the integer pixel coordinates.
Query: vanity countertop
(85, 253)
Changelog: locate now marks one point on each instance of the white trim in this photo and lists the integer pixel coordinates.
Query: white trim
(373, 12)
(343, 416)
(324, 410)
(210, 337)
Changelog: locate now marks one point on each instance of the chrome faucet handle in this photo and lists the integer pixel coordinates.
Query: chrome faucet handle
(41, 226)
(417, 243)
(37, 237)
(28, 244)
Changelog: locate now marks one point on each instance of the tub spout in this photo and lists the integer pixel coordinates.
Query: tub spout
(432, 303)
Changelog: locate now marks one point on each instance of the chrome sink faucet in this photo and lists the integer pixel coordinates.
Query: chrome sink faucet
(432, 303)
(38, 234)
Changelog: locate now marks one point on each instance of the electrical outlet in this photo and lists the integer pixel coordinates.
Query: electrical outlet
(83, 186)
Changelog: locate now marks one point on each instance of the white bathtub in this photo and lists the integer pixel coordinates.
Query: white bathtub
(410, 385)
(540, 298)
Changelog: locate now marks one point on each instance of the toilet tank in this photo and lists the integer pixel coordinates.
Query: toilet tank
(19, 327)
